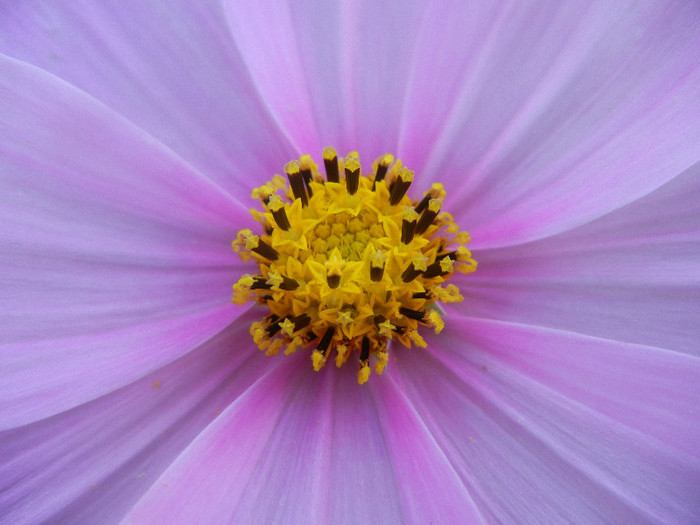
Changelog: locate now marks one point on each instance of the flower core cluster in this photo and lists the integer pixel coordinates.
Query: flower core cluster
(348, 262)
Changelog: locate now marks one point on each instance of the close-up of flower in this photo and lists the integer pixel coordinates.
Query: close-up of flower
(349, 262)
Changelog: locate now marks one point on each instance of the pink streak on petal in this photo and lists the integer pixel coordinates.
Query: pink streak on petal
(94, 461)
(112, 244)
(508, 434)
(632, 275)
(267, 40)
(171, 69)
(567, 116)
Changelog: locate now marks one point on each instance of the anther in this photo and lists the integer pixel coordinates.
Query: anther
(276, 207)
(418, 265)
(383, 164)
(376, 266)
(400, 186)
(326, 340)
(428, 216)
(257, 245)
(300, 321)
(260, 283)
(408, 225)
(296, 181)
(274, 328)
(330, 161)
(352, 175)
(364, 354)
(305, 166)
(418, 315)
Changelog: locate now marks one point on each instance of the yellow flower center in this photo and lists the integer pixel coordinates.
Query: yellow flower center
(348, 262)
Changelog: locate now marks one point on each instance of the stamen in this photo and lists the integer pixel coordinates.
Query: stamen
(330, 161)
(400, 186)
(408, 226)
(255, 244)
(376, 268)
(428, 216)
(352, 175)
(296, 181)
(305, 167)
(276, 207)
(383, 164)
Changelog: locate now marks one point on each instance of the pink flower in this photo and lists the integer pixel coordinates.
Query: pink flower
(565, 389)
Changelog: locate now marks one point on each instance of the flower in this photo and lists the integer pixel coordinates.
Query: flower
(563, 389)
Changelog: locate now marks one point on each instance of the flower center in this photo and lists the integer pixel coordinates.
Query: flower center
(349, 262)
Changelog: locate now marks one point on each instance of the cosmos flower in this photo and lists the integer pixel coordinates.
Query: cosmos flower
(563, 389)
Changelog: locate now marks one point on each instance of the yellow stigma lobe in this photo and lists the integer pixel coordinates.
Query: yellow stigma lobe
(348, 262)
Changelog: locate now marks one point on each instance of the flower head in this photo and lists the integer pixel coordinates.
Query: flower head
(562, 388)
(348, 266)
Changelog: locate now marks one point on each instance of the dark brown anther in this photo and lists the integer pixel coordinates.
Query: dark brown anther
(418, 315)
(326, 340)
(364, 353)
(288, 283)
(408, 225)
(274, 328)
(383, 164)
(428, 216)
(410, 273)
(422, 295)
(296, 181)
(260, 283)
(423, 204)
(330, 161)
(433, 270)
(265, 250)
(376, 273)
(333, 281)
(352, 175)
(300, 321)
(400, 186)
(306, 175)
(276, 207)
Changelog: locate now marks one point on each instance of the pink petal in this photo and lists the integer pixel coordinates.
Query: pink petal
(566, 112)
(331, 73)
(554, 427)
(94, 461)
(632, 275)
(114, 247)
(302, 447)
(171, 69)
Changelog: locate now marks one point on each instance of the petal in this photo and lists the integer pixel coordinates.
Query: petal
(113, 246)
(566, 112)
(330, 72)
(171, 69)
(553, 427)
(90, 464)
(631, 275)
(301, 447)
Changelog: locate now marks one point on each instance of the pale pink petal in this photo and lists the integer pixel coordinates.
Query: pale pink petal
(331, 73)
(632, 275)
(566, 112)
(90, 464)
(554, 427)
(172, 69)
(116, 253)
(311, 448)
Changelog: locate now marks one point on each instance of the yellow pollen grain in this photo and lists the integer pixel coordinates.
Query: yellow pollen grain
(342, 285)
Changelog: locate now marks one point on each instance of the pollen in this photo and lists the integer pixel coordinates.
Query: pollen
(348, 263)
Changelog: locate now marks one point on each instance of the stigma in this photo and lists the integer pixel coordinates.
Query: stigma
(347, 262)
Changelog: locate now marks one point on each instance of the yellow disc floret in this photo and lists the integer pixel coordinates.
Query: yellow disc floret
(348, 262)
